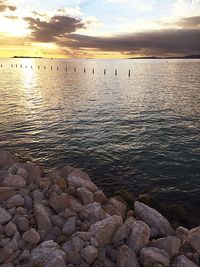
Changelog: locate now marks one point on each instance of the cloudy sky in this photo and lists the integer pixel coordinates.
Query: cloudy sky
(99, 28)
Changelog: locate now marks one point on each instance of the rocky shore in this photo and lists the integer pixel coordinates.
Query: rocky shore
(61, 218)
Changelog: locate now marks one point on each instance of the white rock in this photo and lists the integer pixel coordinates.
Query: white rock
(89, 254)
(182, 261)
(126, 257)
(103, 231)
(49, 254)
(151, 255)
(170, 244)
(4, 216)
(158, 224)
(15, 181)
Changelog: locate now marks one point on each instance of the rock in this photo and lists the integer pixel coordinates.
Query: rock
(115, 207)
(84, 235)
(31, 236)
(5, 193)
(158, 224)
(58, 221)
(89, 254)
(170, 244)
(84, 195)
(48, 254)
(14, 181)
(74, 258)
(126, 257)
(70, 226)
(59, 203)
(182, 261)
(22, 223)
(103, 231)
(100, 197)
(5, 253)
(94, 212)
(42, 217)
(151, 255)
(37, 195)
(7, 159)
(10, 229)
(194, 238)
(182, 232)
(77, 243)
(12, 245)
(138, 236)
(25, 255)
(15, 201)
(4, 216)
(68, 246)
(121, 234)
(34, 172)
(77, 181)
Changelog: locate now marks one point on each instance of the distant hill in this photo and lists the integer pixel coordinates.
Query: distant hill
(25, 57)
(184, 57)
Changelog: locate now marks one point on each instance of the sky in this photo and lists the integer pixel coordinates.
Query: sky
(99, 28)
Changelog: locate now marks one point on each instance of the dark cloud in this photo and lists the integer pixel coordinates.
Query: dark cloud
(5, 6)
(61, 30)
(150, 43)
(57, 27)
(190, 22)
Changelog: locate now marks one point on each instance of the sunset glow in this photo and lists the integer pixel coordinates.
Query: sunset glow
(99, 29)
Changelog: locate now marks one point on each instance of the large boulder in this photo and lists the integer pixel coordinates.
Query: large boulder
(170, 244)
(14, 181)
(104, 230)
(42, 217)
(182, 261)
(138, 236)
(48, 254)
(159, 225)
(151, 255)
(4, 216)
(126, 257)
(7, 159)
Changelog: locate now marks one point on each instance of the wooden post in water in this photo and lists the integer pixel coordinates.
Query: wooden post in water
(1, 65)
(84, 70)
(51, 68)
(11, 66)
(104, 71)
(66, 69)
(38, 66)
(20, 65)
(57, 68)
(75, 69)
(93, 71)
(129, 73)
(44, 67)
(16, 65)
(115, 72)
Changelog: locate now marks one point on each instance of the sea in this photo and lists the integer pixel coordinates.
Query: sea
(132, 124)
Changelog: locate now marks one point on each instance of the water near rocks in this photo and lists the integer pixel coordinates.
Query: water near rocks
(139, 133)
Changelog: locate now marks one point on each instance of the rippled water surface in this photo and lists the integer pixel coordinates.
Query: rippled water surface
(140, 133)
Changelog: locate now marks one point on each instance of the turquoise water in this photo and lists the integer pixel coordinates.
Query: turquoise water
(140, 133)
